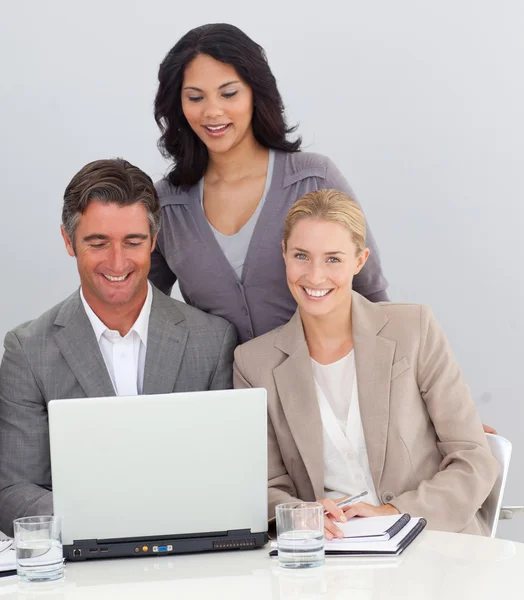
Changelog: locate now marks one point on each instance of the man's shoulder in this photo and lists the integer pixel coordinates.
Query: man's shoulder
(193, 318)
(44, 325)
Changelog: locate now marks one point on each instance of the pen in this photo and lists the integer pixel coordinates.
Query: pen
(349, 501)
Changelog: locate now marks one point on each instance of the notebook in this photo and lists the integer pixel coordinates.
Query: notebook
(7, 558)
(391, 547)
(373, 529)
(384, 548)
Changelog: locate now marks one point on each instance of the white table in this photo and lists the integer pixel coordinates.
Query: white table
(437, 565)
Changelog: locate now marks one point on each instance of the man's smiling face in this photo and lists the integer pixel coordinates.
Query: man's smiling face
(112, 246)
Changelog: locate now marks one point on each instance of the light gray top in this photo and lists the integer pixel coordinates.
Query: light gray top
(235, 246)
(188, 251)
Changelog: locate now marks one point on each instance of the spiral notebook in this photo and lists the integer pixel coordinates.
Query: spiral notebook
(373, 529)
(7, 558)
(393, 545)
(389, 547)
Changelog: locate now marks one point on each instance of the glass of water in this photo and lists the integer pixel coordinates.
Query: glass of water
(300, 534)
(38, 543)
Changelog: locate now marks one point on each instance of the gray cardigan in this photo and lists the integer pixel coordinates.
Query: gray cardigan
(188, 251)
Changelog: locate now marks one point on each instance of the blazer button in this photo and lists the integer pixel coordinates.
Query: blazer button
(387, 497)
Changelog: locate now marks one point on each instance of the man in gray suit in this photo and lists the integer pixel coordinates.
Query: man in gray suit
(116, 335)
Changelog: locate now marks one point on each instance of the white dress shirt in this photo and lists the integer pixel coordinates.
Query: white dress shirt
(346, 463)
(125, 357)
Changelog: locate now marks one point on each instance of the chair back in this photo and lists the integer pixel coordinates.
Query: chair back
(501, 450)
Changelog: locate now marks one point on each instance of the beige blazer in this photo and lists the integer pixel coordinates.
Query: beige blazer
(427, 450)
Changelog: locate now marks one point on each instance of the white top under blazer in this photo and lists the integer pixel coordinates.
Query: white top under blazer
(346, 463)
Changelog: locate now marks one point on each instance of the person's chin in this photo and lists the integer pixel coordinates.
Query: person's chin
(317, 311)
(314, 308)
(219, 144)
(220, 148)
(119, 293)
(117, 298)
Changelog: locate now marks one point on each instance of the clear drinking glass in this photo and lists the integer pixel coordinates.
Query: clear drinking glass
(38, 543)
(300, 534)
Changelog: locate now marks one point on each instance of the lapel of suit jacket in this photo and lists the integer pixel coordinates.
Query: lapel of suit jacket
(373, 358)
(296, 389)
(77, 342)
(166, 342)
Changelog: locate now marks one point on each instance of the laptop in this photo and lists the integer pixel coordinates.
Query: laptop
(160, 474)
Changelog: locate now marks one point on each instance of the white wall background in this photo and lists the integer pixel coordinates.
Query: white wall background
(418, 102)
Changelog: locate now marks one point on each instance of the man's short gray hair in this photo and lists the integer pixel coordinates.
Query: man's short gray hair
(112, 180)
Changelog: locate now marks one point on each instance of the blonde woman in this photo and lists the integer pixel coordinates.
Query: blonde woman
(363, 396)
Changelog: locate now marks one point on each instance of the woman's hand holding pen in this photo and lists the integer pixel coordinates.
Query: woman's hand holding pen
(362, 509)
(333, 512)
(342, 514)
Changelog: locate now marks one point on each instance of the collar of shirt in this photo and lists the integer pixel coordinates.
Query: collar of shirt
(140, 326)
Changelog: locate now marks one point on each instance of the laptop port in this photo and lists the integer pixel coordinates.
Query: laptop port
(93, 550)
(77, 552)
(167, 548)
(104, 549)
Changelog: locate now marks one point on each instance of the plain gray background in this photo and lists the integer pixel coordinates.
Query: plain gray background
(419, 103)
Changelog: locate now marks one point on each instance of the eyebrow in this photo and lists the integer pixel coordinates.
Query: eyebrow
(190, 87)
(332, 253)
(101, 236)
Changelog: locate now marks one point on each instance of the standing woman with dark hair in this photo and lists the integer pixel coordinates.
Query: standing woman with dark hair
(235, 176)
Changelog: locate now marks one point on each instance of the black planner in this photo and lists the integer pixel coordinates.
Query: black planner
(397, 541)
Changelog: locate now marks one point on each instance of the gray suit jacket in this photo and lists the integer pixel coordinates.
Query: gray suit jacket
(187, 250)
(57, 356)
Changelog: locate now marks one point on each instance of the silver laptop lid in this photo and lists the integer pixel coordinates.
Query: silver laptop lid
(167, 464)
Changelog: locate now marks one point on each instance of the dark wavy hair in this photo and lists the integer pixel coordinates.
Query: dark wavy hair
(228, 44)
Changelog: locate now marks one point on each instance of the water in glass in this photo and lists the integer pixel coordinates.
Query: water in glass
(301, 548)
(39, 560)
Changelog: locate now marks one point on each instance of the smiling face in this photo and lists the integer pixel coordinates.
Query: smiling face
(321, 261)
(113, 248)
(217, 104)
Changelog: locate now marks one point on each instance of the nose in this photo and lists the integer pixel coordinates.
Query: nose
(213, 109)
(316, 273)
(116, 260)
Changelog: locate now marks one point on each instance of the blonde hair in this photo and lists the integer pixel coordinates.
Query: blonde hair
(329, 205)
